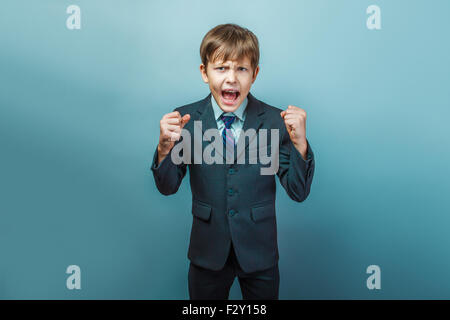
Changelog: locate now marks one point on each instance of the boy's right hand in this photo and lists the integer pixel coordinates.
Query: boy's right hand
(169, 132)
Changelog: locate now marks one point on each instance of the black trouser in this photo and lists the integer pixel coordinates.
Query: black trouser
(208, 284)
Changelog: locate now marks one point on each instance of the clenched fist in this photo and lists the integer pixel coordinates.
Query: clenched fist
(295, 121)
(169, 132)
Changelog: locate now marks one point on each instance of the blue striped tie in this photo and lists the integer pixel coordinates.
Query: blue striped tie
(227, 135)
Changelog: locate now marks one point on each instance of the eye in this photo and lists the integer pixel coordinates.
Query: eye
(220, 68)
(243, 69)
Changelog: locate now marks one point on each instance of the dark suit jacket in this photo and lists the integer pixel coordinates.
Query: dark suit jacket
(234, 202)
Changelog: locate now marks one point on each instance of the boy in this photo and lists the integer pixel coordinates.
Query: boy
(234, 229)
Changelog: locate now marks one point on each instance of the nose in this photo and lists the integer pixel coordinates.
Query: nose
(231, 76)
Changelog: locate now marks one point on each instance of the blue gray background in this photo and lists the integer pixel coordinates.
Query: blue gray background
(79, 122)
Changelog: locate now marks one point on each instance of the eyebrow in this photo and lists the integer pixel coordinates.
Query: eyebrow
(239, 65)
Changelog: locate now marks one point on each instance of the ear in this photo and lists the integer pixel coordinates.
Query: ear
(203, 73)
(255, 73)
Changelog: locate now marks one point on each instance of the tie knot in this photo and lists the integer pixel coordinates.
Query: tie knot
(228, 120)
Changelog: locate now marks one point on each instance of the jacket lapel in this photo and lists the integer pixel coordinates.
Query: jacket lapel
(254, 119)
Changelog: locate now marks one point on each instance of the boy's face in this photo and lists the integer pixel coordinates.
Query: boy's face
(231, 75)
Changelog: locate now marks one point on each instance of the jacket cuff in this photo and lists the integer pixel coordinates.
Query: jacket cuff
(297, 158)
(154, 166)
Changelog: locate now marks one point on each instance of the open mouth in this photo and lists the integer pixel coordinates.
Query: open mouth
(230, 96)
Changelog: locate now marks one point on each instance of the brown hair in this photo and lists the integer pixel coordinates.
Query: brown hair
(229, 42)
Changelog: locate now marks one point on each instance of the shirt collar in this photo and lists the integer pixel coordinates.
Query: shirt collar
(240, 112)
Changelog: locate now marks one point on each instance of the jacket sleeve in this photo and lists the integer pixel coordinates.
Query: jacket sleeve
(168, 176)
(295, 173)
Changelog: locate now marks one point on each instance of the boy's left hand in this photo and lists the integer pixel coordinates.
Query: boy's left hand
(295, 121)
